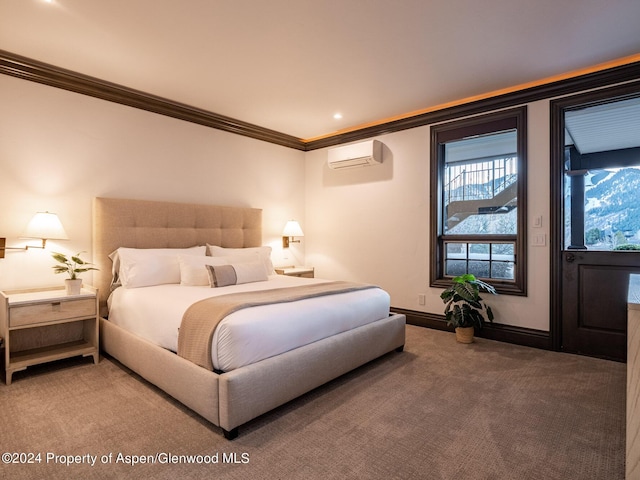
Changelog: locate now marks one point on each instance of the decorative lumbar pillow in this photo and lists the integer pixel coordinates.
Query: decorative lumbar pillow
(143, 267)
(263, 252)
(235, 274)
(193, 270)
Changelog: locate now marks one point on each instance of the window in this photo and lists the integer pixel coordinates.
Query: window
(602, 176)
(478, 192)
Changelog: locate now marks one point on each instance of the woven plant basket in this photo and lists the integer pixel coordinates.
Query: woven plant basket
(464, 334)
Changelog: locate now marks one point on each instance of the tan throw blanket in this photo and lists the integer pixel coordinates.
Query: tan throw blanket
(201, 319)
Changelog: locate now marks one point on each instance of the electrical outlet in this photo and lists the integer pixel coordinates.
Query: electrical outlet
(422, 299)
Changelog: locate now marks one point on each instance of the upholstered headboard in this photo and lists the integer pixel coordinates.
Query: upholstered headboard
(150, 224)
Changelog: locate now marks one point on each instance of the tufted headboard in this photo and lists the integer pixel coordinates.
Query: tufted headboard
(151, 224)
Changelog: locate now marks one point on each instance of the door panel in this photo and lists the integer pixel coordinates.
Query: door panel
(603, 297)
(595, 286)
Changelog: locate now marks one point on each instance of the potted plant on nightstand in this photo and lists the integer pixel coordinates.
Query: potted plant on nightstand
(72, 267)
(464, 308)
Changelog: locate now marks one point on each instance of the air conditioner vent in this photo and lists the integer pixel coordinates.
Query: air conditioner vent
(355, 155)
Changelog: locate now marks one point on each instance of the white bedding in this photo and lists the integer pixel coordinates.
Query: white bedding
(251, 334)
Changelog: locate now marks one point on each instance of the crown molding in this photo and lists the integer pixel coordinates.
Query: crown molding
(592, 80)
(40, 72)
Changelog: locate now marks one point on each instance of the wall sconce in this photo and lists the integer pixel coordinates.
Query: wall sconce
(291, 229)
(44, 226)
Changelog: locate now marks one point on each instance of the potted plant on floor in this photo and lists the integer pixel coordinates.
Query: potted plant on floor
(464, 307)
(72, 267)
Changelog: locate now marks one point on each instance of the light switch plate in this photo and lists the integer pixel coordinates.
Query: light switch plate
(537, 221)
(539, 240)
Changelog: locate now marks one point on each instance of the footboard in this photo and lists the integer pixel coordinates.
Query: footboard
(233, 398)
(194, 386)
(250, 391)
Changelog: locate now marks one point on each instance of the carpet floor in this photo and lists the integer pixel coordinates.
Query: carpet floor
(438, 410)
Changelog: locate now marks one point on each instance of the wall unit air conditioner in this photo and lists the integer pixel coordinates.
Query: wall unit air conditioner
(356, 155)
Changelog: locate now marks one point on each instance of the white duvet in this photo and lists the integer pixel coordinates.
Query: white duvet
(251, 334)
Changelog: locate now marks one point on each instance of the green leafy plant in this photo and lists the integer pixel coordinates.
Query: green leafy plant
(464, 307)
(628, 246)
(71, 266)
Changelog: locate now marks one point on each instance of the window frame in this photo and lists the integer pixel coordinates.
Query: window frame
(458, 129)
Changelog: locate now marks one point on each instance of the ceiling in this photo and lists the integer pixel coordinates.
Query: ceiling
(604, 127)
(290, 65)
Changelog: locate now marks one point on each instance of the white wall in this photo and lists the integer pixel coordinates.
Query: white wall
(372, 224)
(59, 149)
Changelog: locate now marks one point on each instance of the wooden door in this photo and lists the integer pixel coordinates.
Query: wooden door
(594, 306)
(597, 240)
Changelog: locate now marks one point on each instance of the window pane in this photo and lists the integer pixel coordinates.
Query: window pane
(611, 209)
(456, 249)
(480, 269)
(480, 185)
(503, 251)
(503, 270)
(602, 176)
(479, 250)
(455, 268)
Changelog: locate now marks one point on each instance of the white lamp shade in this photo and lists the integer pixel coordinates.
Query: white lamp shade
(292, 229)
(46, 226)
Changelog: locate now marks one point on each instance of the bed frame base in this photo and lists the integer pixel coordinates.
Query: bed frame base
(230, 435)
(231, 399)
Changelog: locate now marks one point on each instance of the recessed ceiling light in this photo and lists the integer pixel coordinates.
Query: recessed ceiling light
(337, 116)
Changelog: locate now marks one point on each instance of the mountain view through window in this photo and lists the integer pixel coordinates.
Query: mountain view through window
(612, 209)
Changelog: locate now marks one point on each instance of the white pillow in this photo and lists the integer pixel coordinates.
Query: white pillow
(263, 252)
(143, 267)
(193, 269)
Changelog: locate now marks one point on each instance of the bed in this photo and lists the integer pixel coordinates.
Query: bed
(240, 383)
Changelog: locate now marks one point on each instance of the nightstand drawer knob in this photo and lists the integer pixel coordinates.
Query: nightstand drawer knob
(55, 306)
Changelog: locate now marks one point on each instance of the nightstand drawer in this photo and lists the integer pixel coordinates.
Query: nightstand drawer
(306, 272)
(301, 274)
(51, 311)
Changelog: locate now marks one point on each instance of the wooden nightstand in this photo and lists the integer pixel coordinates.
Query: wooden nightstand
(306, 272)
(46, 324)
